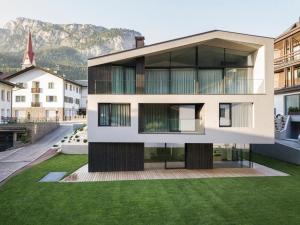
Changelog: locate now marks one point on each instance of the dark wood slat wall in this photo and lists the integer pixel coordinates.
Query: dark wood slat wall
(96, 73)
(199, 156)
(140, 75)
(115, 157)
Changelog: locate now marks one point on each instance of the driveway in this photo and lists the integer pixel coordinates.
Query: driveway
(13, 160)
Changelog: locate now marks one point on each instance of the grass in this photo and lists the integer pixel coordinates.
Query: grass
(240, 201)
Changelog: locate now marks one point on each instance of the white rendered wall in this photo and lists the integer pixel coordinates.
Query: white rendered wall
(44, 78)
(263, 105)
(71, 109)
(5, 106)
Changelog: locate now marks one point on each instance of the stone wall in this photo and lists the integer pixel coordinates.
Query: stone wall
(38, 130)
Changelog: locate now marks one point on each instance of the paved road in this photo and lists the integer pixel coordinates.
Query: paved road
(13, 160)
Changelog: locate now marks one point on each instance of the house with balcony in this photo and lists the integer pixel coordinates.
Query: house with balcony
(287, 71)
(194, 102)
(44, 95)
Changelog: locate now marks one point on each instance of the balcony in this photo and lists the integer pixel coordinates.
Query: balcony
(226, 86)
(287, 60)
(36, 90)
(171, 118)
(36, 104)
(174, 126)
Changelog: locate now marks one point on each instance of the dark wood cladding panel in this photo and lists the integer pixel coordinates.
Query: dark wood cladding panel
(199, 156)
(140, 75)
(99, 73)
(116, 157)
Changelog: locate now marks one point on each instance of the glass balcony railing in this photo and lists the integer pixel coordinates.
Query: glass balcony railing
(173, 126)
(185, 87)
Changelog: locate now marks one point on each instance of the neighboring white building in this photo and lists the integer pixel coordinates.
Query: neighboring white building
(5, 100)
(44, 95)
(194, 102)
(84, 94)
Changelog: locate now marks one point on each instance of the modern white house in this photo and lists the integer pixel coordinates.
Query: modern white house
(6, 89)
(194, 102)
(44, 95)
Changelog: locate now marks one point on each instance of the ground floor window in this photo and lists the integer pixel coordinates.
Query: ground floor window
(164, 155)
(231, 155)
(292, 103)
(115, 115)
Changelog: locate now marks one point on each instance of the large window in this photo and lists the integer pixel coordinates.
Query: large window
(123, 80)
(115, 115)
(202, 69)
(158, 118)
(292, 102)
(235, 114)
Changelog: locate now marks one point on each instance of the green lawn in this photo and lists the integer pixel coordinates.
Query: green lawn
(253, 201)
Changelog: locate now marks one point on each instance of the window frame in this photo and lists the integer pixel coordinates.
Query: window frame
(50, 85)
(230, 114)
(110, 114)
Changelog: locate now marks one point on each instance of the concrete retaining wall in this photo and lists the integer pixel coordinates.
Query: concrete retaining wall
(278, 151)
(74, 148)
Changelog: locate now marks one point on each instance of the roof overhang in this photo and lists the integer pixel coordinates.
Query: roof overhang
(250, 41)
(42, 69)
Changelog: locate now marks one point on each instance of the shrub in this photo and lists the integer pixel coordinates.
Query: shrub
(84, 141)
(55, 145)
(65, 137)
(294, 109)
(76, 136)
(62, 141)
(78, 140)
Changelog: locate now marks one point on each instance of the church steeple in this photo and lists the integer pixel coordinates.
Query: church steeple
(29, 59)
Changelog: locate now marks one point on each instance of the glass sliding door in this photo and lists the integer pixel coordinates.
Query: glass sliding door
(183, 81)
(129, 80)
(117, 80)
(238, 81)
(210, 81)
(157, 81)
(123, 80)
(155, 118)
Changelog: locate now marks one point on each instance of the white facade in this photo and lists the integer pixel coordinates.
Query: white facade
(5, 101)
(44, 95)
(262, 98)
(72, 94)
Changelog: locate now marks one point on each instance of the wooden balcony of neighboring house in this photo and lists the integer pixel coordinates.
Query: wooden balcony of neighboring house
(289, 59)
(36, 90)
(36, 104)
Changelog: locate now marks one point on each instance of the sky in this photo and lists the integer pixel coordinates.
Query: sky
(160, 20)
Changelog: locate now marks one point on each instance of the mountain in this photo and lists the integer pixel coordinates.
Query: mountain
(60, 46)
